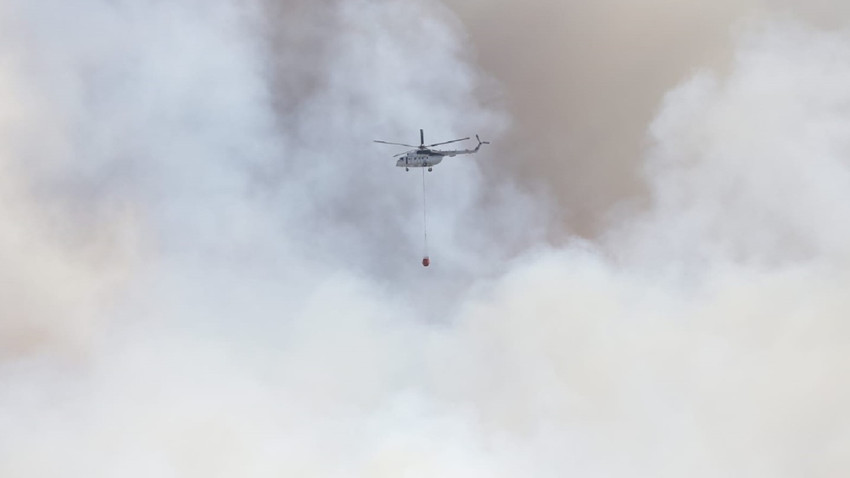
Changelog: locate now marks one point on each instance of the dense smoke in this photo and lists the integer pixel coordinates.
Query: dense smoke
(209, 270)
(584, 79)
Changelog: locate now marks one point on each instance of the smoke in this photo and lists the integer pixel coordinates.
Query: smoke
(583, 80)
(209, 270)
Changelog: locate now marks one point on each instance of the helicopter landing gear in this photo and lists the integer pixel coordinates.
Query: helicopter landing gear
(430, 169)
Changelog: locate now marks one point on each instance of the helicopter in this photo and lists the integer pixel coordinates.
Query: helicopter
(423, 156)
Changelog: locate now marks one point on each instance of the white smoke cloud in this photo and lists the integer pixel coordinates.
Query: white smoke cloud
(221, 268)
(755, 162)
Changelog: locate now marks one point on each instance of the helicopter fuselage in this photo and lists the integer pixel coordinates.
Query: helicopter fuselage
(420, 159)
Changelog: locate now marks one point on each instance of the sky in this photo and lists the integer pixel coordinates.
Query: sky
(208, 268)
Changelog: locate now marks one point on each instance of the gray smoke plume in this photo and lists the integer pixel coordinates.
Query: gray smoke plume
(209, 270)
(583, 79)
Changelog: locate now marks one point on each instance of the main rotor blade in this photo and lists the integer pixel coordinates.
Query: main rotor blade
(396, 144)
(447, 142)
(421, 138)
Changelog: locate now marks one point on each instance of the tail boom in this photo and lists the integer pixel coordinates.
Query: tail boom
(466, 151)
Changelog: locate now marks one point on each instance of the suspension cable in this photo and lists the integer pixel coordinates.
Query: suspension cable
(424, 214)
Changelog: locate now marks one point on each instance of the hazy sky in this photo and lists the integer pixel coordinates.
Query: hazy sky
(208, 268)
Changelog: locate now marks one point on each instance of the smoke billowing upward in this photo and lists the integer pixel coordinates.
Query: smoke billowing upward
(582, 80)
(208, 270)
